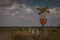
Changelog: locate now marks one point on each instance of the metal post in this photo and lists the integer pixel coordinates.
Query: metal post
(42, 32)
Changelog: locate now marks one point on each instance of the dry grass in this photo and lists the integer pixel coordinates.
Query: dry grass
(49, 34)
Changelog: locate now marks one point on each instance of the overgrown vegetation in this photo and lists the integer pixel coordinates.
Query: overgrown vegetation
(49, 34)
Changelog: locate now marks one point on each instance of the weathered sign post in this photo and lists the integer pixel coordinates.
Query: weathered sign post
(42, 20)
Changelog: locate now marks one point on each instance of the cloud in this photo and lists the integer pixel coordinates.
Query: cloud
(55, 12)
(52, 10)
(37, 7)
(21, 1)
(23, 8)
(5, 3)
(18, 10)
(28, 11)
(13, 7)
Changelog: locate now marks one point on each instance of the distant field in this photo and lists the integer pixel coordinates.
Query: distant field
(17, 33)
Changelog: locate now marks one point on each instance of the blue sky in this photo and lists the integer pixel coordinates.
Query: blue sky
(24, 12)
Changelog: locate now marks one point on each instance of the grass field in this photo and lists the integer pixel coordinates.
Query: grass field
(19, 34)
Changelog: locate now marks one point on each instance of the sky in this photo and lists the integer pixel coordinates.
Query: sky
(24, 12)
